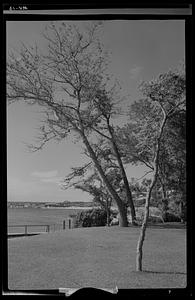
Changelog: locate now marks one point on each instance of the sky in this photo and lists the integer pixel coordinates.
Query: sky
(139, 50)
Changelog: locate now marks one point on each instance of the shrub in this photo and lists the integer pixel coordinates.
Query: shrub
(154, 215)
(91, 217)
(154, 219)
(170, 217)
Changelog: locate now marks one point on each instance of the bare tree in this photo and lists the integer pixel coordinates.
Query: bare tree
(66, 82)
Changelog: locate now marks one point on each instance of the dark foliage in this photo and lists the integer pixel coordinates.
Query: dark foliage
(170, 217)
(92, 217)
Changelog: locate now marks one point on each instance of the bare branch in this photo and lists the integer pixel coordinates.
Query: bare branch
(100, 133)
(148, 172)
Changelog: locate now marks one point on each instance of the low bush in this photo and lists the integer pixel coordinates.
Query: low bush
(170, 217)
(91, 217)
(155, 219)
(98, 217)
(156, 215)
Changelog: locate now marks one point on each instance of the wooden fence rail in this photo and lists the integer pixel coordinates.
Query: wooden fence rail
(47, 227)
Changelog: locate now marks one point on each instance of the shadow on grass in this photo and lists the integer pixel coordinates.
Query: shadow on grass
(164, 272)
(168, 225)
(11, 236)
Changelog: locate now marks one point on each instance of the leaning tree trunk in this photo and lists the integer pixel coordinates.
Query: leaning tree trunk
(123, 222)
(139, 251)
(125, 180)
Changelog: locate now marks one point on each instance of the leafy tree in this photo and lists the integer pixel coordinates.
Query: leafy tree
(86, 178)
(108, 133)
(172, 171)
(70, 84)
(95, 187)
(142, 139)
(172, 157)
(92, 217)
(168, 93)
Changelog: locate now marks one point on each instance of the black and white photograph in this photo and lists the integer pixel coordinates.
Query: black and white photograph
(96, 151)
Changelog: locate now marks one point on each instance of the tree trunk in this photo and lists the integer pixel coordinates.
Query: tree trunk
(107, 213)
(125, 180)
(182, 212)
(147, 204)
(139, 251)
(123, 222)
(164, 192)
(183, 203)
(164, 203)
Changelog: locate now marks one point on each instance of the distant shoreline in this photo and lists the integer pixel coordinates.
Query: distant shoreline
(57, 207)
(69, 207)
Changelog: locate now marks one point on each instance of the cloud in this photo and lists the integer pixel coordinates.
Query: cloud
(135, 72)
(20, 189)
(48, 174)
(52, 180)
(48, 177)
(17, 184)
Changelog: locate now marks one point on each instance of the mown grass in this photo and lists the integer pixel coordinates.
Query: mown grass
(97, 257)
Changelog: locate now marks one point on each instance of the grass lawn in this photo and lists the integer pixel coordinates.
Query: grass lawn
(97, 257)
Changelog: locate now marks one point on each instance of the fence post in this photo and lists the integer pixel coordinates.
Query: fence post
(69, 223)
(48, 228)
(64, 224)
(73, 220)
(26, 233)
